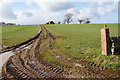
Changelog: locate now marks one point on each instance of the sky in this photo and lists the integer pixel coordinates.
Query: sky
(42, 11)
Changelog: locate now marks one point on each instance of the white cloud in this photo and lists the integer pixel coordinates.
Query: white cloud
(53, 5)
(38, 17)
(97, 10)
(88, 13)
(29, 2)
(73, 11)
(6, 10)
(28, 14)
(104, 10)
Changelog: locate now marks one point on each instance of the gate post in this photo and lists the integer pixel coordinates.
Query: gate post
(105, 41)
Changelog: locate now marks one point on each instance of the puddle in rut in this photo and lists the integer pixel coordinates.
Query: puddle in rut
(6, 55)
(3, 58)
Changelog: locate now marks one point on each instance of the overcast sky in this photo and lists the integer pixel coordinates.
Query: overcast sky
(41, 11)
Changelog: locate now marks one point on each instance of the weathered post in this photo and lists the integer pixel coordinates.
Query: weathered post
(105, 41)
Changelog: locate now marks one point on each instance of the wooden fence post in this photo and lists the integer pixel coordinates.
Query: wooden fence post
(105, 41)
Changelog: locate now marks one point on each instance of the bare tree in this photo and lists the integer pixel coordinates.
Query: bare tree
(87, 20)
(68, 18)
(80, 20)
(59, 22)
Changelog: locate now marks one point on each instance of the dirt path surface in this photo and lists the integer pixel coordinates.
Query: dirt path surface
(28, 62)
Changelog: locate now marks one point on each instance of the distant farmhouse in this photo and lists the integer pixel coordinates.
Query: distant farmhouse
(3, 23)
(50, 22)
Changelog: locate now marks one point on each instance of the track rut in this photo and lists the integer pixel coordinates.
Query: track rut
(24, 64)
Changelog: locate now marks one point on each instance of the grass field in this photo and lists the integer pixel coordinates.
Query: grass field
(82, 41)
(16, 34)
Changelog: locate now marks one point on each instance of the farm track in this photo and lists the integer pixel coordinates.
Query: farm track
(26, 65)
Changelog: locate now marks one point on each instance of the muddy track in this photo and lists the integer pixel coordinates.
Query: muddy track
(24, 63)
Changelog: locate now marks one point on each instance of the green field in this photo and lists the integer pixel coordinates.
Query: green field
(12, 35)
(81, 41)
(84, 42)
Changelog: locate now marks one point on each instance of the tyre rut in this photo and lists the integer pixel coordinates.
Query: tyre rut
(24, 64)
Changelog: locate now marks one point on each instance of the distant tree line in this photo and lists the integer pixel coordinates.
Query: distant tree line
(69, 18)
(3, 23)
(86, 21)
